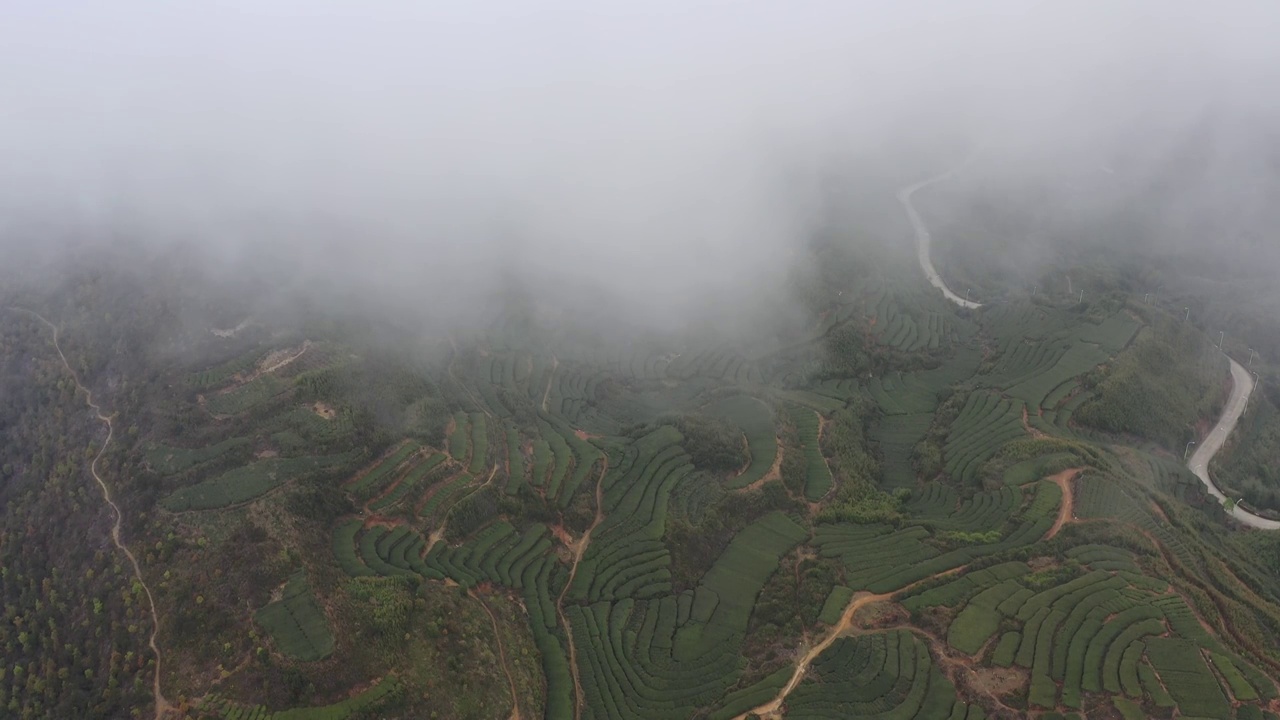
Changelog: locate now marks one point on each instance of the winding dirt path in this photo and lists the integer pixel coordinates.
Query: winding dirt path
(306, 345)
(579, 549)
(502, 655)
(1026, 425)
(555, 363)
(163, 707)
(773, 708)
(1066, 508)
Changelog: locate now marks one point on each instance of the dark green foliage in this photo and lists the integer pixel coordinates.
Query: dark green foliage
(713, 445)
(1247, 468)
(692, 593)
(172, 460)
(296, 622)
(252, 480)
(756, 421)
(846, 354)
(1157, 388)
(845, 445)
(834, 605)
(793, 599)
(881, 675)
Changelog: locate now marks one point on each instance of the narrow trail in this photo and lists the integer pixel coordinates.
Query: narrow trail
(438, 533)
(163, 707)
(579, 549)
(1026, 425)
(773, 708)
(555, 363)
(1066, 509)
(953, 667)
(502, 656)
(306, 345)
(435, 536)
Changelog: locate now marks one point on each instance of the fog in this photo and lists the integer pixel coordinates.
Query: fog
(668, 154)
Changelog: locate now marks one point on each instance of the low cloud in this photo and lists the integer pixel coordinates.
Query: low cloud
(671, 154)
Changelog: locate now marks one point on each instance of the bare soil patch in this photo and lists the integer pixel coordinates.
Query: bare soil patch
(1066, 509)
(999, 681)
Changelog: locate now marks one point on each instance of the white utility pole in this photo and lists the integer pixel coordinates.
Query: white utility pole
(1188, 317)
(1081, 295)
(1188, 449)
(1252, 352)
(1222, 336)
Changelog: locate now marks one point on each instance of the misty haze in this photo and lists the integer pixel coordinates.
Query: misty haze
(651, 360)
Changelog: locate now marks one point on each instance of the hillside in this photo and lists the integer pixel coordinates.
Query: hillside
(890, 507)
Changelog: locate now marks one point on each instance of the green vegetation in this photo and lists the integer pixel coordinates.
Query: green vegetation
(882, 675)
(552, 511)
(1246, 469)
(835, 604)
(354, 706)
(171, 460)
(1161, 385)
(817, 476)
(296, 623)
(713, 445)
(250, 481)
(755, 419)
(241, 398)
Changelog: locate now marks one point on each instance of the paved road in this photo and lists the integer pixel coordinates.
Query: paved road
(1241, 387)
(924, 240)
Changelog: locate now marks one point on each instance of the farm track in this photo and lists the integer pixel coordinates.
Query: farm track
(444, 519)
(555, 363)
(579, 549)
(306, 345)
(773, 708)
(502, 656)
(1066, 508)
(162, 705)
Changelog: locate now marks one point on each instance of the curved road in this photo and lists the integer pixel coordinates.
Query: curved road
(1241, 380)
(924, 240)
(1241, 388)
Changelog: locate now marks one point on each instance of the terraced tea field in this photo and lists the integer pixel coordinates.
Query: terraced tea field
(934, 559)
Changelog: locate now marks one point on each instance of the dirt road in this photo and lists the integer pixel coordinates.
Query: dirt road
(162, 705)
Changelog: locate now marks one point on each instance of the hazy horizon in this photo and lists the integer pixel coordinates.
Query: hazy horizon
(673, 154)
